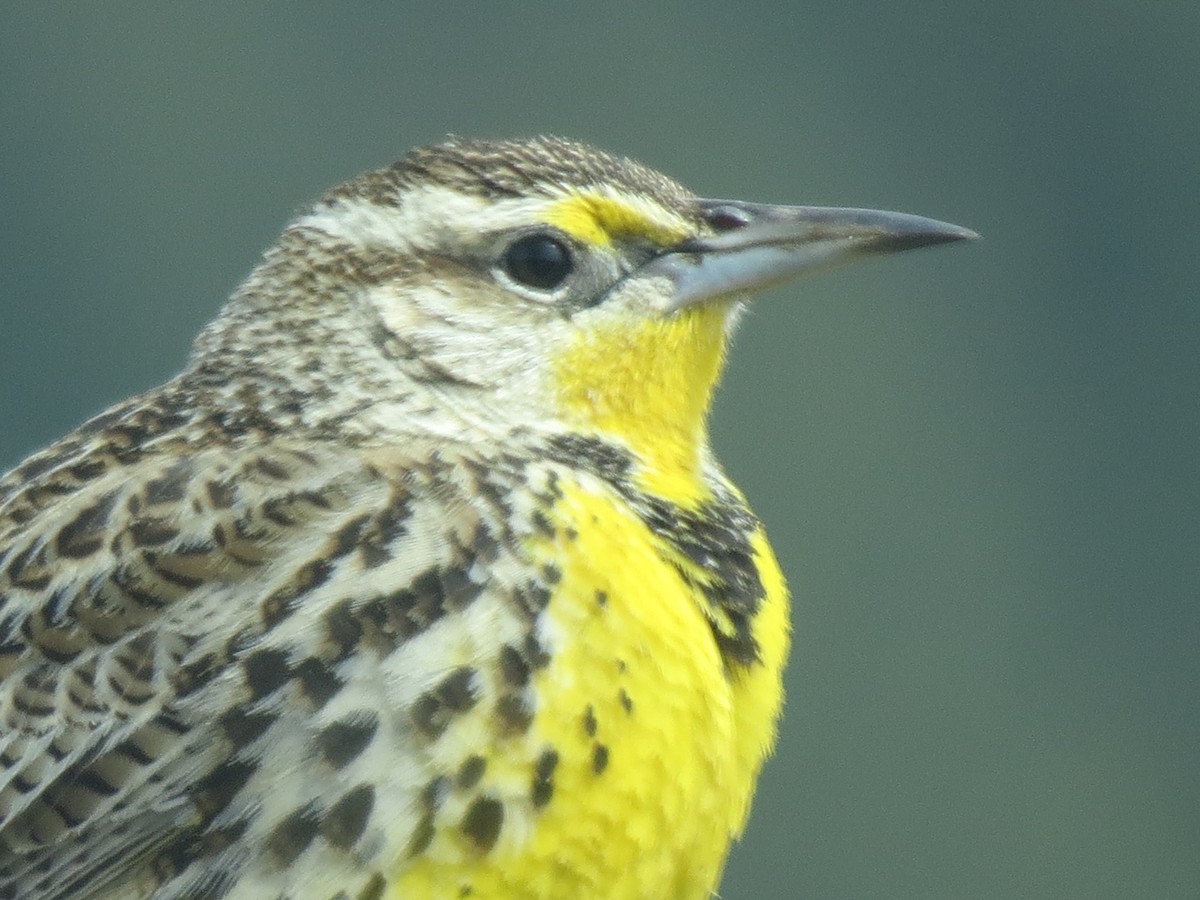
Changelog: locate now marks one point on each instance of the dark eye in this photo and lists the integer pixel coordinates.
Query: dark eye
(538, 261)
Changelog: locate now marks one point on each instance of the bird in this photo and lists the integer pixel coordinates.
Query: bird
(421, 579)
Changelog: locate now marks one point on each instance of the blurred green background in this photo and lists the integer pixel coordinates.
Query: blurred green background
(978, 464)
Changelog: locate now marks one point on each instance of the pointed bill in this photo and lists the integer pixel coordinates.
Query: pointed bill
(758, 246)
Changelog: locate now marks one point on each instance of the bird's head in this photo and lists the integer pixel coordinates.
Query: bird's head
(487, 286)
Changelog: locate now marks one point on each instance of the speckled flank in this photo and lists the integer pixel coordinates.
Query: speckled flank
(610, 721)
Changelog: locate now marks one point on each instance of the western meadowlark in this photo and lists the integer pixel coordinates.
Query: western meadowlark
(421, 579)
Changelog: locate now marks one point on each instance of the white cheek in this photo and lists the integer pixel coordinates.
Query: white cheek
(465, 333)
(403, 312)
(640, 296)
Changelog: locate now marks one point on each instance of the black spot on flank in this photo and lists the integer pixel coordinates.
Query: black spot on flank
(374, 888)
(470, 772)
(427, 715)
(422, 836)
(513, 666)
(281, 510)
(552, 574)
(625, 700)
(221, 494)
(272, 468)
(342, 629)
(350, 534)
(279, 605)
(534, 652)
(292, 836)
(433, 710)
(543, 778)
(590, 725)
(599, 758)
(170, 486)
(482, 823)
(401, 615)
(531, 599)
(344, 822)
(318, 681)
(431, 798)
(496, 495)
(483, 544)
(373, 535)
(389, 526)
(433, 795)
(602, 599)
(242, 728)
(542, 524)
(456, 690)
(553, 488)
(343, 741)
(428, 586)
(514, 714)
(265, 671)
(405, 613)
(457, 589)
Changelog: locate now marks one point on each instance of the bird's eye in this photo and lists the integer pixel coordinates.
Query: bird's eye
(539, 261)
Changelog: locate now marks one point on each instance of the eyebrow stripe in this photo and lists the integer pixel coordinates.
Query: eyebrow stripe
(599, 220)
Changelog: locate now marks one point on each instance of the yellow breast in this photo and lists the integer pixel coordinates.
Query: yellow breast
(657, 738)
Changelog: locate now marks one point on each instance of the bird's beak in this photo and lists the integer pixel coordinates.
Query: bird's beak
(758, 246)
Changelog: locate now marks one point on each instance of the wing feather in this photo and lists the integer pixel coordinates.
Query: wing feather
(121, 594)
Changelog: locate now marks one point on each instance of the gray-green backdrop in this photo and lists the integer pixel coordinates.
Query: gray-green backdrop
(978, 464)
